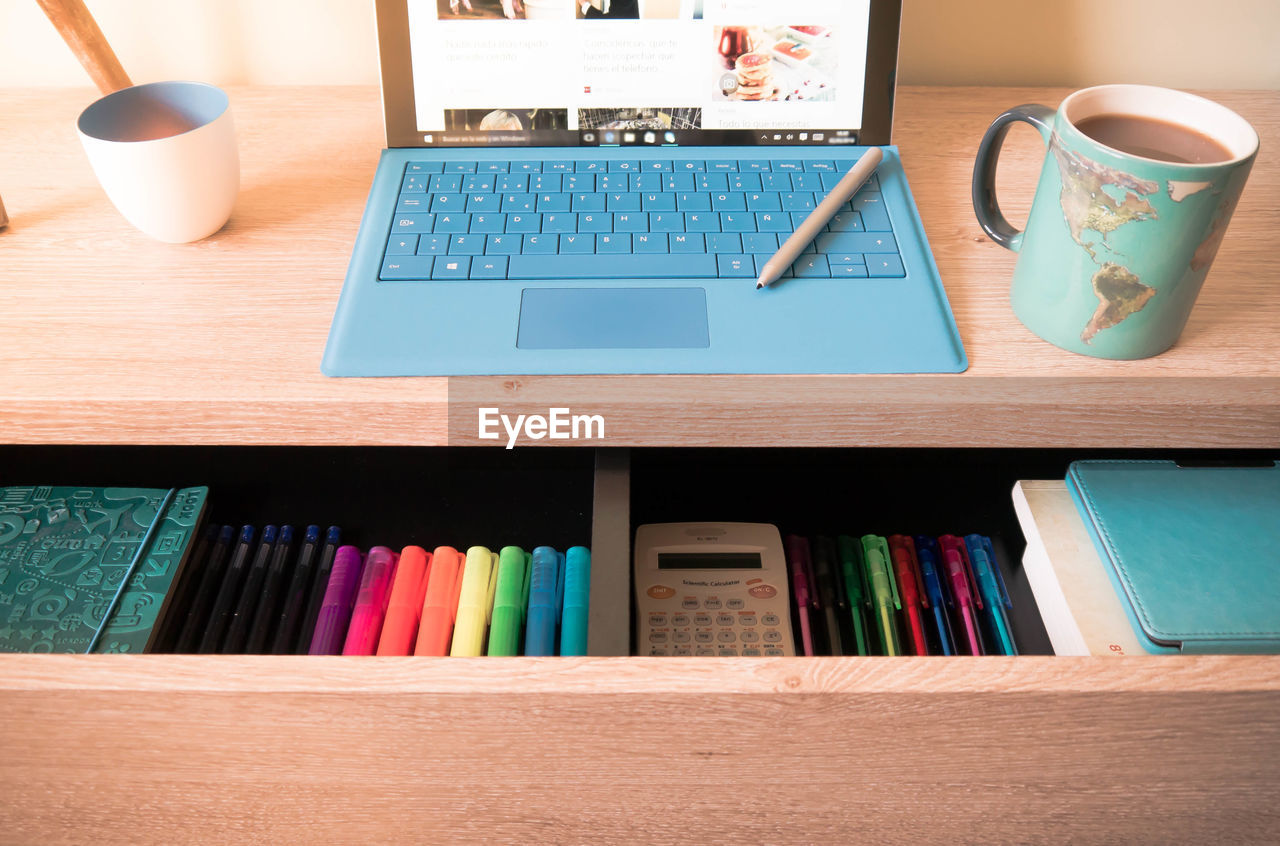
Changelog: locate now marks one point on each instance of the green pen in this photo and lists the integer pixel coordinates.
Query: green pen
(884, 592)
(510, 598)
(855, 588)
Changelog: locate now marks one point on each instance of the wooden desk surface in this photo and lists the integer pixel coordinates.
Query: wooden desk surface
(110, 337)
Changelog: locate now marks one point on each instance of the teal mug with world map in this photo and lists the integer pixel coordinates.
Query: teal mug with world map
(1136, 191)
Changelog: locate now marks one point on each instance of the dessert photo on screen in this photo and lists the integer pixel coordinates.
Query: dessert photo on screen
(624, 10)
(497, 10)
(775, 64)
(640, 118)
(505, 120)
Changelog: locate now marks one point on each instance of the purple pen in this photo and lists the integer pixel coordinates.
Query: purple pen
(339, 597)
(371, 603)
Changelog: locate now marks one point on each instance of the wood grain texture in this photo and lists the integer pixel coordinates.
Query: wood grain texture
(172, 749)
(110, 337)
(77, 27)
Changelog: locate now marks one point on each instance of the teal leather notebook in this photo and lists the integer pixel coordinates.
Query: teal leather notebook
(1193, 552)
(90, 569)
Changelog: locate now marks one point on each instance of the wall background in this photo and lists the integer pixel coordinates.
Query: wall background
(1178, 43)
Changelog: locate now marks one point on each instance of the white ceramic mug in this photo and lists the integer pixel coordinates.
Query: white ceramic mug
(165, 153)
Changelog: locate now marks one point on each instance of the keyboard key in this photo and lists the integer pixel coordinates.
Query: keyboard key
(613, 243)
(448, 203)
(578, 183)
(677, 182)
(557, 167)
(591, 166)
(433, 245)
(513, 183)
(424, 167)
(526, 167)
(524, 223)
(797, 201)
(875, 218)
(480, 183)
(489, 267)
(846, 258)
(722, 165)
(587, 202)
(773, 222)
(623, 166)
(649, 243)
(659, 165)
(685, 242)
(666, 222)
(402, 245)
(807, 182)
(702, 222)
(885, 265)
(459, 167)
(406, 223)
(613, 183)
(729, 202)
(503, 244)
(560, 222)
(730, 222)
(447, 183)
(846, 221)
(540, 244)
(788, 165)
(595, 222)
(724, 243)
(639, 266)
(849, 270)
(713, 182)
(618, 202)
(414, 183)
(811, 265)
(451, 267)
(658, 202)
(483, 202)
(775, 181)
(820, 165)
(762, 258)
(688, 166)
(631, 222)
(543, 183)
(413, 203)
(763, 201)
(554, 202)
(453, 223)
(760, 242)
(856, 242)
(730, 264)
(399, 268)
(488, 223)
(519, 202)
(491, 167)
(574, 243)
(466, 245)
(693, 202)
(747, 182)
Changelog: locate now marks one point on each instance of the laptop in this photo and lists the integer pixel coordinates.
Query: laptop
(591, 187)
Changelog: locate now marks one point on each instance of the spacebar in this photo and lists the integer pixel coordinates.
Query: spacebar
(606, 266)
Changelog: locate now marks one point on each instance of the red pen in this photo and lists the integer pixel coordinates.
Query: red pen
(910, 589)
(963, 590)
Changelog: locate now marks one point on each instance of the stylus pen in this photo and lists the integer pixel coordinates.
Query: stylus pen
(811, 226)
(404, 607)
(268, 613)
(319, 585)
(577, 598)
(546, 598)
(228, 592)
(295, 595)
(206, 592)
(339, 598)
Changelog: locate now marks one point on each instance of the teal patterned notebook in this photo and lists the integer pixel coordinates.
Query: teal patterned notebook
(90, 569)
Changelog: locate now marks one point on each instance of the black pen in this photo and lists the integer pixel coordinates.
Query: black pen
(219, 618)
(264, 619)
(242, 616)
(295, 596)
(831, 595)
(206, 591)
(315, 597)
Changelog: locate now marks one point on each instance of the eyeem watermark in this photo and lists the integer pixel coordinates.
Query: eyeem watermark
(559, 424)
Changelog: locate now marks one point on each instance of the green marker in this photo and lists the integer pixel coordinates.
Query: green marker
(884, 592)
(855, 588)
(510, 598)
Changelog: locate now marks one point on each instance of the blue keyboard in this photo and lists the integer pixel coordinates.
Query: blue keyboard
(628, 219)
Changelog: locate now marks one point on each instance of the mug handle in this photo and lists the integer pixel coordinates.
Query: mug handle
(984, 170)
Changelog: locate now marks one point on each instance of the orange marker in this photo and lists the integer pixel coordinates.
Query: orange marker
(440, 602)
(404, 609)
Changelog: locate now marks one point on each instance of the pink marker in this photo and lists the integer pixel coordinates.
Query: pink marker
(371, 602)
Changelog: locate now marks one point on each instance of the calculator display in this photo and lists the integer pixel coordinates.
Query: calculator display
(709, 561)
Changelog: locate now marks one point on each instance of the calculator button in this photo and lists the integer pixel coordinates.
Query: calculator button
(724, 620)
(657, 637)
(658, 651)
(728, 652)
(726, 637)
(711, 605)
(750, 651)
(773, 650)
(706, 651)
(682, 650)
(680, 620)
(763, 591)
(735, 605)
(750, 636)
(681, 637)
(702, 619)
(770, 620)
(703, 637)
(773, 636)
(689, 603)
(657, 619)
(661, 592)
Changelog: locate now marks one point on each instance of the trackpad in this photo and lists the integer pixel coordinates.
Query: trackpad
(612, 318)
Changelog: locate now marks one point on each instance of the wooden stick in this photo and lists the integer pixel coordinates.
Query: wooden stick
(78, 28)
(4, 218)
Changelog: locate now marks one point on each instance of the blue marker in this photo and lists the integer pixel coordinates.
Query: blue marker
(926, 551)
(577, 596)
(995, 598)
(546, 596)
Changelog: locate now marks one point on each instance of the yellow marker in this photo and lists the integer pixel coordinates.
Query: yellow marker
(475, 602)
